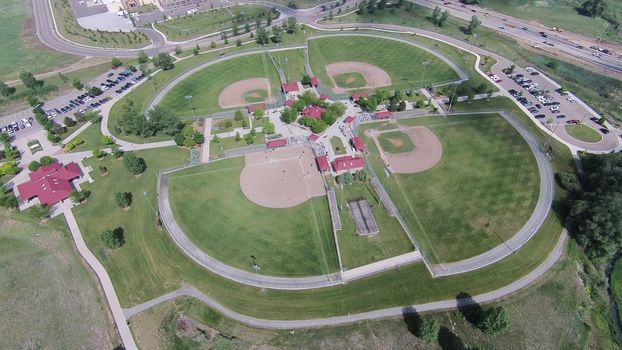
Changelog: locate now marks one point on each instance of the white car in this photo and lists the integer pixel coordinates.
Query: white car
(554, 108)
(571, 99)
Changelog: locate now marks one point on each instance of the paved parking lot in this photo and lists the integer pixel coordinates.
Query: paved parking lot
(63, 101)
(568, 106)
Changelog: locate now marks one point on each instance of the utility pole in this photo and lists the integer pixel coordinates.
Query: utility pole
(425, 65)
(257, 268)
(155, 213)
(189, 98)
(451, 100)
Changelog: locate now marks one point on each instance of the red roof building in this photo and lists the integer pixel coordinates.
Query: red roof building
(345, 163)
(50, 183)
(314, 81)
(276, 143)
(323, 97)
(314, 112)
(358, 144)
(349, 119)
(260, 106)
(383, 115)
(313, 137)
(356, 96)
(322, 163)
(290, 87)
(289, 103)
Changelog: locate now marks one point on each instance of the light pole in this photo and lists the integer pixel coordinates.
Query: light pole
(474, 40)
(189, 98)
(425, 65)
(451, 100)
(257, 268)
(155, 213)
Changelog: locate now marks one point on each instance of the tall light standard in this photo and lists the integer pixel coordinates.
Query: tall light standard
(257, 268)
(189, 98)
(155, 213)
(474, 40)
(425, 65)
(451, 100)
(287, 68)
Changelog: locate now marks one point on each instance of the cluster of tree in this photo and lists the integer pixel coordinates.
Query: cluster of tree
(349, 178)
(6, 90)
(135, 165)
(316, 125)
(7, 198)
(9, 151)
(596, 8)
(9, 168)
(395, 101)
(45, 160)
(78, 197)
(189, 137)
(164, 60)
(53, 129)
(123, 199)
(268, 127)
(275, 35)
(473, 24)
(33, 89)
(329, 115)
(439, 18)
(427, 330)
(491, 321)
(465, 89)
(157, 120)
(113, 239)
(99, 153)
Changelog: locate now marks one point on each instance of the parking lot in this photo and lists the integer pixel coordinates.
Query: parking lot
(553, 107)
(114, 82)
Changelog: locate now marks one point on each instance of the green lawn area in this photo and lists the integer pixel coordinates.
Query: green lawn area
(401, 61)
(219, 126)
(92, 137)
(476, 197)
(583, 133)
(337, 145)
(296, 241)
(350, 80)
(395, 142)
(69, 28)
(357, 251)
(217, 150)
(292, 62)
(256, 96)
(49, 299)
(20, 49)
(216, 20)
(208, 83)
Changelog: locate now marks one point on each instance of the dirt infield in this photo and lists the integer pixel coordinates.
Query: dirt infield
(428, 151)
(233, 95)
(281, 178)
(374, 76)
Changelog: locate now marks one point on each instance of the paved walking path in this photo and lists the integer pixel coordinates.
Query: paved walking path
(189, 291)
(207, 131)
(98, 268)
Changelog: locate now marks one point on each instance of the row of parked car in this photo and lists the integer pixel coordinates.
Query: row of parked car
(129, 83)
(16, 126)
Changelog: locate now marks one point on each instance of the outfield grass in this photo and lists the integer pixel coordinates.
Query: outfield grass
(20, 48)
(401, 61)
(292, 62)
(337, 145)
(48, 298)
(476, 197)
(295, 241)
(357, 251)
(212, 21)
(350, 80)
(69, 28)
(583, 133)
(395, 142)
(208, 83)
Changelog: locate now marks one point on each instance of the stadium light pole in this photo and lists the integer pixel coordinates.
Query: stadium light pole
(257, 268)
(189, 98)
(451, 101)
(155, 213)
(425, 65)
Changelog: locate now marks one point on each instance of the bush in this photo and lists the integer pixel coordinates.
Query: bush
(134, 164)
(102, 170)
(113, 239)
(495, 321)
(9, 168)
(117, 152)
(427, 330)
(98, 153)
(69, 122)
(34, 165)
(79, 196)
(73, 144)
(568, 181)
(123, 199)
(107, 140)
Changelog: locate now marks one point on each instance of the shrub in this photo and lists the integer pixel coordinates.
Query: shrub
(134, 164)
(73, 144)
(495, 321)
(107, 140)
(123, 199)
(427, 330)
(113, 239)
(34, 165)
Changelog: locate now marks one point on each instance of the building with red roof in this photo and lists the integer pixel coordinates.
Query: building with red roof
(314, 112)
(314, 81)
(289, 103)
(358, 144)
(260, 106)
(291, 87)
(383, 115)
(349, 119)
(356, 96)
(322, 163)
(50, 183)
(347, 163)
(313, 137)
(276, 143)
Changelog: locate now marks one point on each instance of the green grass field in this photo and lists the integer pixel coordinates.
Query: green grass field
(350, 80)
(207, 84)
(210, 207)
(92, 137)
(48, 298)
(292, 62)
(256, 96)
(19, 47)
(218, 126)
(217, 150)
(337, 144)
(357, 251)
(476, 197)
(395, 142)
(212, 21)
(583, 133)
(401, 61)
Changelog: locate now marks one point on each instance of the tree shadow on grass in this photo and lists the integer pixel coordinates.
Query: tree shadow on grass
(449, 340)
(469, 308)
(411, 319)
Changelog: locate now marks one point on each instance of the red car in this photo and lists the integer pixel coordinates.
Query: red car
(573, 121)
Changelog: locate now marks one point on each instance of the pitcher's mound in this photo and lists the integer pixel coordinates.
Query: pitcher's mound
(281, 178)
(234, 95)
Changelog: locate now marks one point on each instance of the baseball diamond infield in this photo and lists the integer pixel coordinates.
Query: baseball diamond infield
(427, 153)
(234, 94)
(373, 75)
(281, 178)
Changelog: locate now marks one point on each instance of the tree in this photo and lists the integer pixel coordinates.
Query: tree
(268, 127)
(107, 140)
(98, 153)
(46, 160)
(34, 165)
(436, 13)
(116, 62)
(29, 80)
(277, 35)
(134, 164)
(41, 211)
(95, 91)
(362, 7)
(238, 115)
(593, 8)
(371, 7)
(212, 45)
(292, 25)
(289, 115)
(117, 152)
(76, 83)
(249, 138)
(237, 137)
(142, 57)
(473, 23)
(123, 199)
(33, 101)
(495, 321)
(164, 60)
(113, 239)
(178, 50)
(262, 36)
(6, 90)
(382, 4)
(443, 18)
(238, 42)
(235, 30)
(196, 50)
(79, 196)
(427, 330)
(306, 79)
(247, 28)
(69, 122)
(258, 113)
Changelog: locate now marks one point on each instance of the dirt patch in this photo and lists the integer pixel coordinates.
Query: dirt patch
(374, 76)
(427, 153)
(396, 142)
(281, 178)
(349, 80)
(254, 95)
(233, 95)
